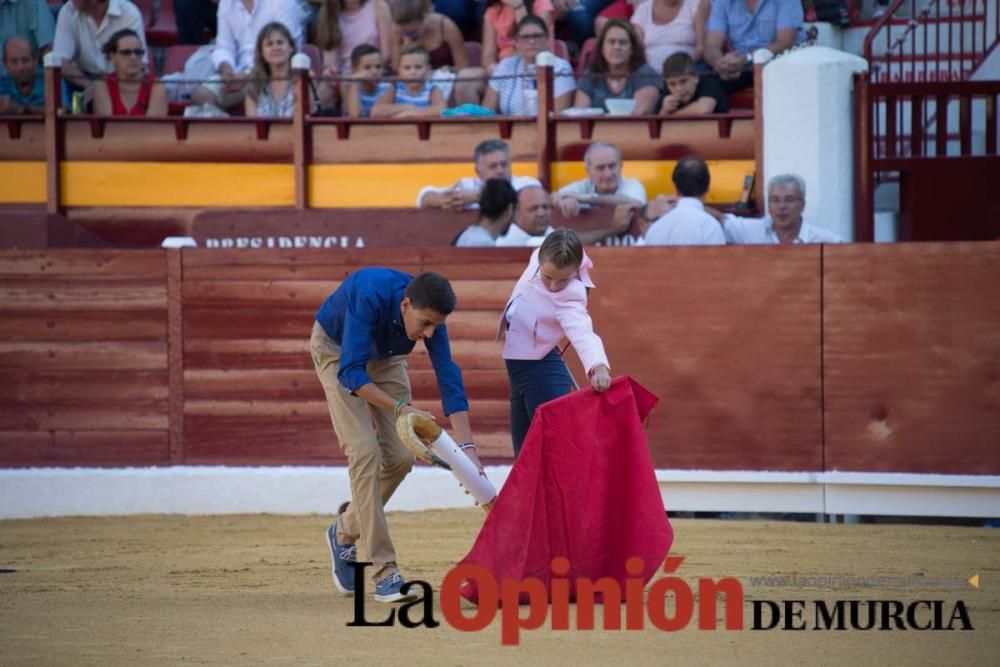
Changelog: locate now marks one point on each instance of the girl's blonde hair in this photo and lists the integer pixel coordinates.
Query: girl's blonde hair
(562, 248)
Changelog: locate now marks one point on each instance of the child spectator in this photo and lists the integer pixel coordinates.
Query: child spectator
(271, 93)
(343, 25)
(129, 90)
(366, 64)
(689, 94)
(414, 95)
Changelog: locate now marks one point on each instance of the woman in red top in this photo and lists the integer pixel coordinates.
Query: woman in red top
(128, 91)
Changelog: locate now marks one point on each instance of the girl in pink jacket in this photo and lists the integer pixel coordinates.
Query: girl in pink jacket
(549, 302)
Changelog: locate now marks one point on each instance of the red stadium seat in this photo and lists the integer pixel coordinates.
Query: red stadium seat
(315, 59)
(177, 55)
(561, 50)
(741, 100)
(163, 31)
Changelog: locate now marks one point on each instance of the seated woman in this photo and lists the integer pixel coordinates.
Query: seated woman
(619, 71)
(271, 93)
(512, 90)
(668, 26)
(128, 91)
(498, 26)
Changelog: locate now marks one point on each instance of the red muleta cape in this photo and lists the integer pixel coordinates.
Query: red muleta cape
(583, 487)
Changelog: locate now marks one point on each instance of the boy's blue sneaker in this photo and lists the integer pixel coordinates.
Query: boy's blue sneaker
(388, 590)
(343, 555)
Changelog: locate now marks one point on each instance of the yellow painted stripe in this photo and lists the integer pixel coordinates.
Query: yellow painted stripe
(386, 185)
(330, 185)
(22, 182)
(727, 176)
(177, 184)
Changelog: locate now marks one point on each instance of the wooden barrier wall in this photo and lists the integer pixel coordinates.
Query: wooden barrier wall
(866, 358)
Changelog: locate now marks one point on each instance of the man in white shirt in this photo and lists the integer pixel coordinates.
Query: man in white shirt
(534, 222)
(686, 223)
(604, 185)
(82, 29)
(492, 160)
(239, 24)
(534, 217)
(786, 199)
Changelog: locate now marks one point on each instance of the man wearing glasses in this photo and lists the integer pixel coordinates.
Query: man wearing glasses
(82, 28)
(786, 199)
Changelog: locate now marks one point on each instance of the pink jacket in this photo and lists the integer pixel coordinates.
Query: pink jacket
(542, 318)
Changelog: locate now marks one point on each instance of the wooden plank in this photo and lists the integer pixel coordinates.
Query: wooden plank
(175, 356)
(112, 265)
(83, 387)
(51, 416)
(911, 357)
(63, 296)
(735, 361)
(293, 353)
(476, 263)
(303, 385)
(72, 356)
(223, 412)
(248, 321)
(73, 448)
(338, 264)
(483, 294)
(262, 294)
(80, 325)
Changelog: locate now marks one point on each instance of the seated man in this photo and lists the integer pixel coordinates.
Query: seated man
(492, 160)
(496, 214)
(786, 199)
(23, 90)
(686, 223)
(82, 29)
(31, 19)
(239, 24)
(604, 185)
(534, 222)
(748, 25)
(688, 92)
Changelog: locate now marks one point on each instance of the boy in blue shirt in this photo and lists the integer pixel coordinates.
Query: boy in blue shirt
(359, 344)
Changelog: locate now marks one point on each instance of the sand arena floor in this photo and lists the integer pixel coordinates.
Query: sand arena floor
(256, 589)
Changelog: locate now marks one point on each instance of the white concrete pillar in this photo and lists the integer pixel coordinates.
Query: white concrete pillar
(808, 130)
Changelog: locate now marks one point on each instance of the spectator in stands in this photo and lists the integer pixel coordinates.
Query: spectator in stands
(770, 24)
(786, 199)
(512, 89)
(619, 9)
(271, 93)
(604, 185)
(466, 14)
(619, 71)
(30, 19)
(414, 21)
(667, 27)
(498, 26)
(496, 212)
(235, 46)
(22, 91)
(686, 223)
(688, 92)
(366, 87)
(580, 15)
(549, 303)
(82, 28)
(129, 90)
(492, 160)
(196, 20)
(533, 221)
(414, 95)
(343, 25)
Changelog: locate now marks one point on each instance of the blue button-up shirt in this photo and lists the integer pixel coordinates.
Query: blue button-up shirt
(748, 31)
(363, 316)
